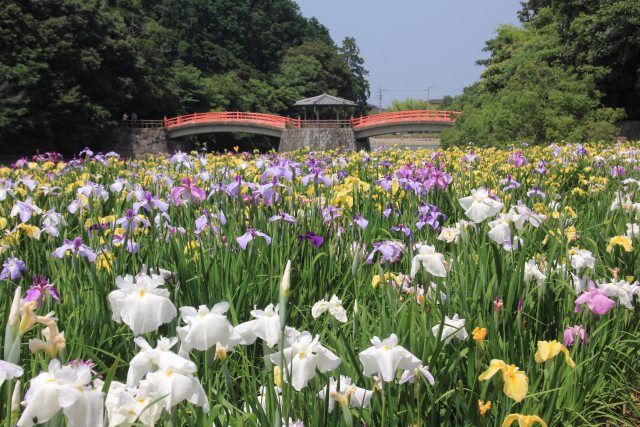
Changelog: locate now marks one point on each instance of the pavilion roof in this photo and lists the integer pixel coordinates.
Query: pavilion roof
(325, 100)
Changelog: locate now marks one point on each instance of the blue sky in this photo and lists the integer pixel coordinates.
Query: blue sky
(409, 45)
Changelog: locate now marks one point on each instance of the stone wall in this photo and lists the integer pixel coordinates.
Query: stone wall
(630, 129)
(140, 142)
(317, 139)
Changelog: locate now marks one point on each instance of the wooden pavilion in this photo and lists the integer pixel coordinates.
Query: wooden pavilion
(342, 107)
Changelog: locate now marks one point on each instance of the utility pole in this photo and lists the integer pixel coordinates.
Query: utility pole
(380, 100)
(428, 93)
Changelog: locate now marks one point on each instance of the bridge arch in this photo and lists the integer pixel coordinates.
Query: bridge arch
(225, 121)
(403, 121)
(274, 125)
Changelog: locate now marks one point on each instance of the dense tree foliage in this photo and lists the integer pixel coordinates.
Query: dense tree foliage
(538, 85)
(601, 37)
(69, 69)
(67, 66)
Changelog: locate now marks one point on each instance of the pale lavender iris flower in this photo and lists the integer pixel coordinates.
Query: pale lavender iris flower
(251, 234)
(76, 247)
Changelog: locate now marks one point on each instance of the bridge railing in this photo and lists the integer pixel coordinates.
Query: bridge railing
(233, 116)
(325, 124)
(406, 116)
(140, 123)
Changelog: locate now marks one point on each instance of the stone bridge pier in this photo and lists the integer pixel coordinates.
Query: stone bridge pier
(317, 139)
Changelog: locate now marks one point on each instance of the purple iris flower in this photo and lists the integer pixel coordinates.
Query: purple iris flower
(389, 210)
(86, 152)
(25, 209)
(28, 182)
(580, 150)
(251, 234)
(513, 244)
(573, 332)
(471, 157)
(385, 182)
(279, 171)
(19, 163)
(312, 237)
(360, 221)
(518, 159)
(509, 183)
(13, 269)
(330, 213)
(618, 171)
(317, 175)
(76, 247)
(202, 223)
(541, 168)
(438, 179)
(391, 251)
(95, 227)
(234, 186)
(187, 192)
(535, 191)
(384, 163)
(403, 228)
(206, 221)
(91, 189)
(150, 202)
(268, 191)
(41, 287)
(283, 216)
(596, 300)
(405, 171)
(131, 221)
(119, 239)
(431, 215)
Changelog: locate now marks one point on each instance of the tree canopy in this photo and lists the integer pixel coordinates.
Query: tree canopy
(569, 73)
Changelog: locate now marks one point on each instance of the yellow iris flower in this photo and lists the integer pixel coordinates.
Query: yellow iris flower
(547, 350)
(516, 383)
(624, 241)
(523, 420)
(30, 230)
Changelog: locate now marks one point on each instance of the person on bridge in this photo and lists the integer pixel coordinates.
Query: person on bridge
(134, 117)
(125, 117)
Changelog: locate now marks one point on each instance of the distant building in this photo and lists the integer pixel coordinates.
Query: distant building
(373, 109)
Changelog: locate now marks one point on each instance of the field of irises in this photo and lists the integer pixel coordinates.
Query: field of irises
(470, 287)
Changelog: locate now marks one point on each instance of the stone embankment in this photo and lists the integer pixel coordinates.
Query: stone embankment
(404, 142)
(138, 143)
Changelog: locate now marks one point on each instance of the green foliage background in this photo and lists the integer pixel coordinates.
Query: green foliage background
(569, 73)
(69, 69)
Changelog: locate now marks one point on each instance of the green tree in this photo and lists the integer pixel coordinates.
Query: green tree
(527, 95)
(73, 65)
(350, 52)
(600, 38)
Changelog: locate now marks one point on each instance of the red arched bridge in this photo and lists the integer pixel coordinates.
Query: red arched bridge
(272, 125)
